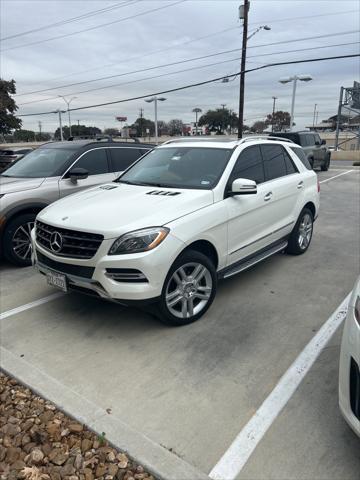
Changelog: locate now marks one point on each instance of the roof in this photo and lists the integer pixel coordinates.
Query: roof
(83, 143)
(225, 143)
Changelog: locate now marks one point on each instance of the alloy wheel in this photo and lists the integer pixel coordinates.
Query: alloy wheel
(305, 231)
(21, 241)
(188, 290)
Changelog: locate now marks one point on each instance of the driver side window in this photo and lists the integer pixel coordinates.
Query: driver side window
(94, 161)
(249, 165)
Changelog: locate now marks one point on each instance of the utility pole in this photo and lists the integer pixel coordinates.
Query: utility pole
(141, 121)
(244, 15)
(314, 116)
(40, 128)
(273, 113)
(60, 124)
(223, 116)
(78, 129)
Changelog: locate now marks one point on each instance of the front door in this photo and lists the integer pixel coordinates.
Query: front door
(96, 162)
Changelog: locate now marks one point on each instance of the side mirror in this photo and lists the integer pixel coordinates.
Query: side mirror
(323, 142)
(78, 174)
(243, 186)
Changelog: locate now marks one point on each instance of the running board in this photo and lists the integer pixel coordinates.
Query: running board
(245, 264)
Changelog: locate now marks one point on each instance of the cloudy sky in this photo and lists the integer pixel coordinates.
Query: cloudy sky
(66, 47)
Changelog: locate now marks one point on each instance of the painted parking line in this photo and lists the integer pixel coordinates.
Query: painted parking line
(234, 459)
(336, 176)
(33, 304)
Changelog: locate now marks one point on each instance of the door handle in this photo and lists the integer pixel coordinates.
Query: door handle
(268, 196)
(300, 185)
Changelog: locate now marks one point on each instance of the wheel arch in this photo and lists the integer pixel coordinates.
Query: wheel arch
(21, 210)
(205, 247)
(311, 207)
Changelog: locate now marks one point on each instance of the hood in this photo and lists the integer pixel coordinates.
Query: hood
(116, 208)
(15, 184)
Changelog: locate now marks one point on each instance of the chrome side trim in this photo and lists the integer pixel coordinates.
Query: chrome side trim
(256, 260)
(262, 238)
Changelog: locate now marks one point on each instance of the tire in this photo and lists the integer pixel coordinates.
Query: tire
(311, 161)
(16, 240)
(325, 166)
(301, 235)
(180, 277)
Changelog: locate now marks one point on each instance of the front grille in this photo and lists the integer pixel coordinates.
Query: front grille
(355, 388)
(67, 243)
(66, 268)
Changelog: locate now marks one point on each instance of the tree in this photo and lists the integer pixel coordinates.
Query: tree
(258, 127)
(77, 131)
(112, 131)
(163, 128)
(280, 120)
(175, 127)
(42, 137)
(8, 107)
(218, 120)
(141, 125)
(24, 136)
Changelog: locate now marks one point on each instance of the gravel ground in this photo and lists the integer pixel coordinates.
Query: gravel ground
(39, 442)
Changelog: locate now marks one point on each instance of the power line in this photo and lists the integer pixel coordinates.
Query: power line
(196, 40)
(73, 19)
(198, 84)
(182, 61)
(94, 27)
(276, 20)
(188, 70)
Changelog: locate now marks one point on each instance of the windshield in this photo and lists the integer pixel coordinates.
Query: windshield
(43, 162)
(179, 167)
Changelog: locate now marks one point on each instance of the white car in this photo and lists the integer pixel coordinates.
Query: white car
(185, 215)
(349, 375)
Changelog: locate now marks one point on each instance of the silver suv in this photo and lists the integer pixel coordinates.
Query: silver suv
(318, 154)
(49, 173)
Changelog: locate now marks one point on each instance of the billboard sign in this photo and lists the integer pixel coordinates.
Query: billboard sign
(121, 119)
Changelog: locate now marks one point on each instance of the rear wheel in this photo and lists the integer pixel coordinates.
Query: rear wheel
(301, 235)
(17, 240)
(189, 289)
(325, 166)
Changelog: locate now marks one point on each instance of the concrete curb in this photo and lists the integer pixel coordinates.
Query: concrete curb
(158, 461)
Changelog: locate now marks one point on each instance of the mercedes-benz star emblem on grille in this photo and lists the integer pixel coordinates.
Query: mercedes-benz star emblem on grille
(56, 242)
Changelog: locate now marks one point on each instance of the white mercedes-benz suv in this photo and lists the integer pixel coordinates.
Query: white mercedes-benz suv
(184, 216)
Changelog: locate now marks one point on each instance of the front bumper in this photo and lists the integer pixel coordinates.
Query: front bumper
(92, 276)
(349, 373)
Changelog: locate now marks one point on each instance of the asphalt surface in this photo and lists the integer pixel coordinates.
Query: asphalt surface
(192, 389)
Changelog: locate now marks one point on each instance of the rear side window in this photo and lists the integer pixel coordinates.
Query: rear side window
(122, 158)
(94, 161)
(249, 165)
(274, 161)
(299, 152)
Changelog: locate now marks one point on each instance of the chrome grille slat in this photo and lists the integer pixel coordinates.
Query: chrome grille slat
(75, 244)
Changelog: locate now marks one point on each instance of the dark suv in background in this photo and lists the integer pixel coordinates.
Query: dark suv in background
(315, 148)
(49, 173)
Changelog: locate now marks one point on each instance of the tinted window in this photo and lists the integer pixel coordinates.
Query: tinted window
(43, 162)
(249, 165)
(274, 161)
(290, 167)
(291, 136)
(302, 156)
(122, 158)
(94, 161)
(179, 167)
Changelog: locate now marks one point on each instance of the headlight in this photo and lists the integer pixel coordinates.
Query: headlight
(139, 241)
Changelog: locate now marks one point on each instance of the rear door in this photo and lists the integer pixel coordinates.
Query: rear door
(97, 163)
(284, 185)
(123, 157)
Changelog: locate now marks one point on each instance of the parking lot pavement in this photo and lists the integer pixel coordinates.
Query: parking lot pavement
(193, 389)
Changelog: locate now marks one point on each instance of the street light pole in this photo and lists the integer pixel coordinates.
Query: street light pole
(68, 110)
(273, 113)
(242, 69)
(60, 124)
(155, 100)
(294, 79)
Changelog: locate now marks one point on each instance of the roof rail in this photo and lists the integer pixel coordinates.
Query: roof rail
(200, 138)
(264, 137)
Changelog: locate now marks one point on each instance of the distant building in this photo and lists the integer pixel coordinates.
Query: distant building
(349, 124)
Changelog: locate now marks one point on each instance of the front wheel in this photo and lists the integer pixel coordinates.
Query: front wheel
(325, 166)
(301, 235)
(189, 289)
(17, 240)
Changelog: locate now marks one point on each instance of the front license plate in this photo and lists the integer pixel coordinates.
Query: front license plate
(57, 280)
